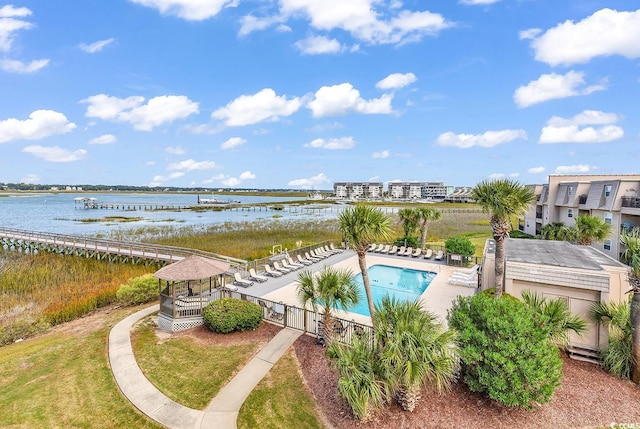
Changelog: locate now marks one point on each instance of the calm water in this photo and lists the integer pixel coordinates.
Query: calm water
(402, 283)
(58, 213)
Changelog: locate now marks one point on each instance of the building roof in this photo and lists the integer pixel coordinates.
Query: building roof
(557, 253)
(193, 267)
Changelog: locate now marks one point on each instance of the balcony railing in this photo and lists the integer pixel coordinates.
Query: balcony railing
(633, 202)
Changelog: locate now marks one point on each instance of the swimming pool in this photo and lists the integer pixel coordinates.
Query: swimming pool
(403, 283)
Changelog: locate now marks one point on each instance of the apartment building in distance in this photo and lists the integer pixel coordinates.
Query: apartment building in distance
(613, 198)
(358, 190)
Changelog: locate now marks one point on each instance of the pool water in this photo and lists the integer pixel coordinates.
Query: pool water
(402, 283)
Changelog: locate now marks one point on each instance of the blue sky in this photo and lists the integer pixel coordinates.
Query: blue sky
(303, 93)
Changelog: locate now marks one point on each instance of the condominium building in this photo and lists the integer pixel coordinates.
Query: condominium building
(613, 198)
(417, 190)
(358, 190)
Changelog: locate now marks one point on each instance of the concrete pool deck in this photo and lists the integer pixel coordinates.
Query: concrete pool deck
(437, 298)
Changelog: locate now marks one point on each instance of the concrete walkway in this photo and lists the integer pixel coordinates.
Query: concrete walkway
(223, 410)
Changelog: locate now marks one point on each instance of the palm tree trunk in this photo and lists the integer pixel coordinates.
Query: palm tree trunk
(362, 262)
(408, 397)
(499, 265)
(423, 237)
(635, 335)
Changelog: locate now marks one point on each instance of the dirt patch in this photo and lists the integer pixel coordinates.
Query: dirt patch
(588, 397)
(203, 335)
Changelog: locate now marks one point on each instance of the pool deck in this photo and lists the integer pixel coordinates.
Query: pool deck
(437, 298)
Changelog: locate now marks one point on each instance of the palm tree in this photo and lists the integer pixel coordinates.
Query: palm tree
(590, 229)
(361, 226)
(503, 198)
(414, 350)
(557, 315)
(558, 231)
(631, 257)
(409, 219)
(331, 288)
(426, 215)
(617, 356)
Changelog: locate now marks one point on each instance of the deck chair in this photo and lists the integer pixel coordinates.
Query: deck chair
(393, 250)
(303, 261)
(271, 272)
(471, 281)
(439, 256)
(311, 258)
(386, 249)
(335, 249)
(464, 271)
(428, 254)
(408, 252)
(379, 248)
(280, 268)
(416, 253)
(372, 247)
(256, 277)
(401, 250)
(293, 263)
(239, 281)
(288, 266)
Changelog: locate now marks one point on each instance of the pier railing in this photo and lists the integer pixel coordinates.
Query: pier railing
(34, 240)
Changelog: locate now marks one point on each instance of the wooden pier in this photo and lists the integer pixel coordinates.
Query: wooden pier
(103, 249)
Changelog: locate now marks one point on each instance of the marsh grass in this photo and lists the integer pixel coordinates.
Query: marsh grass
(280, 400)
(63, 380)
(187, 372)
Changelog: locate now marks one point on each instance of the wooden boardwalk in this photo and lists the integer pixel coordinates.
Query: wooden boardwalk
(112, 250)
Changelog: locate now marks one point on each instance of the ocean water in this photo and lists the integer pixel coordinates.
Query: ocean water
(59, 213)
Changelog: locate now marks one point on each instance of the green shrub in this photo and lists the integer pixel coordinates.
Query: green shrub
(229, 314)
(460, 245)
(138, 290)
(505, 350)
(516, 233)
(410, 241)
(617, 356)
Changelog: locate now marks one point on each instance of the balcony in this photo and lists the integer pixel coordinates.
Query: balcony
(632, 202)
(582, 199)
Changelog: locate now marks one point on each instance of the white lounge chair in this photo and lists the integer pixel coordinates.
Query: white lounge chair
(408, 252)
(336, 249)
(311, 258)
(271, 272)
(372, 247)
(416, 252)
(294, 263)
(386, 249)
(439, 256)
(471, 281)
(303, 261)
(428, 254)
(286, 264)
(401, 250)
(280, 268)
(239, 281)
(472, 270)
(256, 277)
(379, 248)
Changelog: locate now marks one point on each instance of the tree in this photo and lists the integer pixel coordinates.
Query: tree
(361, 226)
(426, 215)
(631, 257)
(590, 229)
(460, 245)
(331, 288)
(414, 350)
(502, 198)
(409, 219)
(617, 356)
(558, 231)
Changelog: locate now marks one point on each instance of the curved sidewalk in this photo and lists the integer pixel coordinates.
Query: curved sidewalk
(221, 412)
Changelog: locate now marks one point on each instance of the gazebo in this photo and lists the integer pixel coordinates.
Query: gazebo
(186, 287)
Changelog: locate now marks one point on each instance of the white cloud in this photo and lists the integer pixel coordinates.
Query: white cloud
(570, 169)
(573, 130)
(190, 165)
(380, 155)
(310, 182)
(233, 142)
(494, 176)
(158, 110)
(159, 180)
(41, 124)
(333, 143)
(30, 178)
(476, 2)
(362, 19)
(191, 10)
(536, 170)
(176, 150)
(247, 175)
(10, 22)
(343, 98)
(94, 47)
(55, 153)
(553, 86)
(104, 139)
(16, 66)
(487, 139)
(250, 23)
(231, 181)
(607, 32)
(529, 33)
(252, 109)
(317, 45)
(396, 80)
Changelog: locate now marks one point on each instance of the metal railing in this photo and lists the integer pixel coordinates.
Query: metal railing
(632, 202)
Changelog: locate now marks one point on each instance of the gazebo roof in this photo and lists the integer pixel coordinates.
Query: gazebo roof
(193, 267)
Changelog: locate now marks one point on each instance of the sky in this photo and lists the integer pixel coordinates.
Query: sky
(300, 94)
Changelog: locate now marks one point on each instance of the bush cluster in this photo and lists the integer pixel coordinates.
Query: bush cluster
(138, 290)
(229, 314)
(505, 350)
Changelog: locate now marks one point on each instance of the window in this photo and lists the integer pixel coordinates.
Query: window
(607, 190)
(570, 213)
(570, 191)
(607, 244)
(608, 218)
